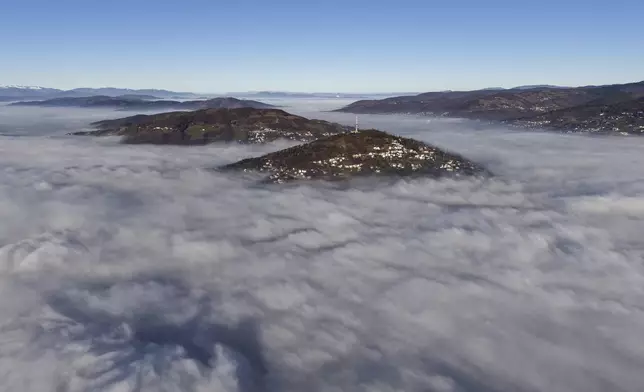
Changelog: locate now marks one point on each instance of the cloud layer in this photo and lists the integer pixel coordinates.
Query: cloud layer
(134, 268)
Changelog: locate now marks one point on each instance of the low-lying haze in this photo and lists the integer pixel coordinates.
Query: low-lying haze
(135, 268)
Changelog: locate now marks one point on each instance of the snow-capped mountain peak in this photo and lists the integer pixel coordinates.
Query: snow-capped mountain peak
(23, 87)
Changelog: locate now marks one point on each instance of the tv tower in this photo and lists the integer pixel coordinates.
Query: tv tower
(356, 124)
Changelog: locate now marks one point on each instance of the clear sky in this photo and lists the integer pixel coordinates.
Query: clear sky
(313, 45)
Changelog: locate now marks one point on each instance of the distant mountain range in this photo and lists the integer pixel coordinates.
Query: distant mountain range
(526, 87)
(132, 102)
(13, 93)
(535, 86)
(302, 95)
(615, 108)
(287, 95)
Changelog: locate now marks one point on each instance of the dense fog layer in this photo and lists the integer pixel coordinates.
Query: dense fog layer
(136, 268)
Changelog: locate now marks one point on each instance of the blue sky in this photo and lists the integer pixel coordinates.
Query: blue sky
(311, 45)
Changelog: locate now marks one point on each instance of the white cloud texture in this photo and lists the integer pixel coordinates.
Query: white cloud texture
(134, 268)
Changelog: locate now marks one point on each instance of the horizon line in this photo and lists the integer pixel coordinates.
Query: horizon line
(313, 92)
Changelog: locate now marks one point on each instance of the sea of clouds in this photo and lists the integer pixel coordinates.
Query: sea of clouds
(137, 268)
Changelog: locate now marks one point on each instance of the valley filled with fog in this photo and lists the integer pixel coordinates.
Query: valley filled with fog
(139, 268)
